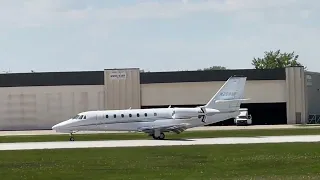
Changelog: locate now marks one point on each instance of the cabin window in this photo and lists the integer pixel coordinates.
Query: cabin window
(80, 117)
(122, 115)
(114, 116)
(155, 114)
(107, 116)
(84, 117)
(130, 115)
(138, 114)
(145, 114)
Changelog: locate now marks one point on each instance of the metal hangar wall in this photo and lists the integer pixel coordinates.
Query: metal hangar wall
(40, 100)
(265, 88)
(313, 96)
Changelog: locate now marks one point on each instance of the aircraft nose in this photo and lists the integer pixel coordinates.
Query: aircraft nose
(55, 127)
(61, 125)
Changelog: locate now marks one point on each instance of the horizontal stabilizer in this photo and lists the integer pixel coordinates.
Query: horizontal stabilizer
(231, 100)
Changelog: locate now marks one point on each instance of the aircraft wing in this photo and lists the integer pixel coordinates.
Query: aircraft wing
(177, 128)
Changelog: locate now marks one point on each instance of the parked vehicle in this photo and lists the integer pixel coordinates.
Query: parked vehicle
(244, 118)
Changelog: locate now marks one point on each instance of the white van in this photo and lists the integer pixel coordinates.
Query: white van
(244, 118)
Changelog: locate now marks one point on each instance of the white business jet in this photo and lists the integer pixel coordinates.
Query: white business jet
(223, 105)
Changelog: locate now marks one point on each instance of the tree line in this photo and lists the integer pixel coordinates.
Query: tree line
(270, 60)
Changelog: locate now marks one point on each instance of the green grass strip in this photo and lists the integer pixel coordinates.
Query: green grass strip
(286, 161)
(186, 134)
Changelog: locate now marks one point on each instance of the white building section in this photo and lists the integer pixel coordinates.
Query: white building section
(146, 143)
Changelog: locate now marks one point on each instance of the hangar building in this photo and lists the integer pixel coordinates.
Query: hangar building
(40, 100)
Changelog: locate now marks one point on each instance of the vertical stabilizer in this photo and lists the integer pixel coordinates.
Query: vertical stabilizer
(230, 96)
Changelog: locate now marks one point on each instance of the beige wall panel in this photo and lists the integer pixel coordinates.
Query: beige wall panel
(201, 92)
(122, 88)
(41, 107)
(296, 95)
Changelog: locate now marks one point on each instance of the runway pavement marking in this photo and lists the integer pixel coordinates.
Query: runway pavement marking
(139, 143)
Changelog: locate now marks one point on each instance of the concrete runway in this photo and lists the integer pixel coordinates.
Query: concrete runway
(208, 128)
(137, 143)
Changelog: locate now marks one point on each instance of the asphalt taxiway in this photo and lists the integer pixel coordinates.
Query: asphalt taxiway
(139, 143)
(206, 128)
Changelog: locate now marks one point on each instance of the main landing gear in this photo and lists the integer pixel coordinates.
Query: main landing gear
(161, 136)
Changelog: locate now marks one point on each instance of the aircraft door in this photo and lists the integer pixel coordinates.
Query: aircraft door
(100, 118)
(96, 119)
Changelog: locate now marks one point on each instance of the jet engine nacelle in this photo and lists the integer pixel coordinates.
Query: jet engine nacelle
(184, 113)
(187, 113)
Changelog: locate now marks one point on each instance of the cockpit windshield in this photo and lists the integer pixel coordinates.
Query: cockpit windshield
(79, 117)
(76, 117)
(242, 117)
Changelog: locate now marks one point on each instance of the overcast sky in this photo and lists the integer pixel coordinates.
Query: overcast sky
(76, 35)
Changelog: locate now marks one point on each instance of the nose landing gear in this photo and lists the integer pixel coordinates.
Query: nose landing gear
(71, 137)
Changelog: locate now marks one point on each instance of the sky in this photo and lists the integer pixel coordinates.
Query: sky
(154, 35)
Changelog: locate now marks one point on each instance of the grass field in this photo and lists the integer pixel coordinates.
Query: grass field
(254, 161)
(186, 134)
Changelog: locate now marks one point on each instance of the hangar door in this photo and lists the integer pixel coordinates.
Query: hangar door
(263, 114)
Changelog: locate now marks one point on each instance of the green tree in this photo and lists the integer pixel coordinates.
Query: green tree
(213, 68)
(276, 59)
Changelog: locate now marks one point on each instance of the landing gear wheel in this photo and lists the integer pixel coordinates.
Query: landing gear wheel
(71, 137)
(154, 137)
(162, 136)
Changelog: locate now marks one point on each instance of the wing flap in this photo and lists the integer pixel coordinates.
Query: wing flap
(176, 128)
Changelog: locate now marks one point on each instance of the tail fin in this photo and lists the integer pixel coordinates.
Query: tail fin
(230, 96)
